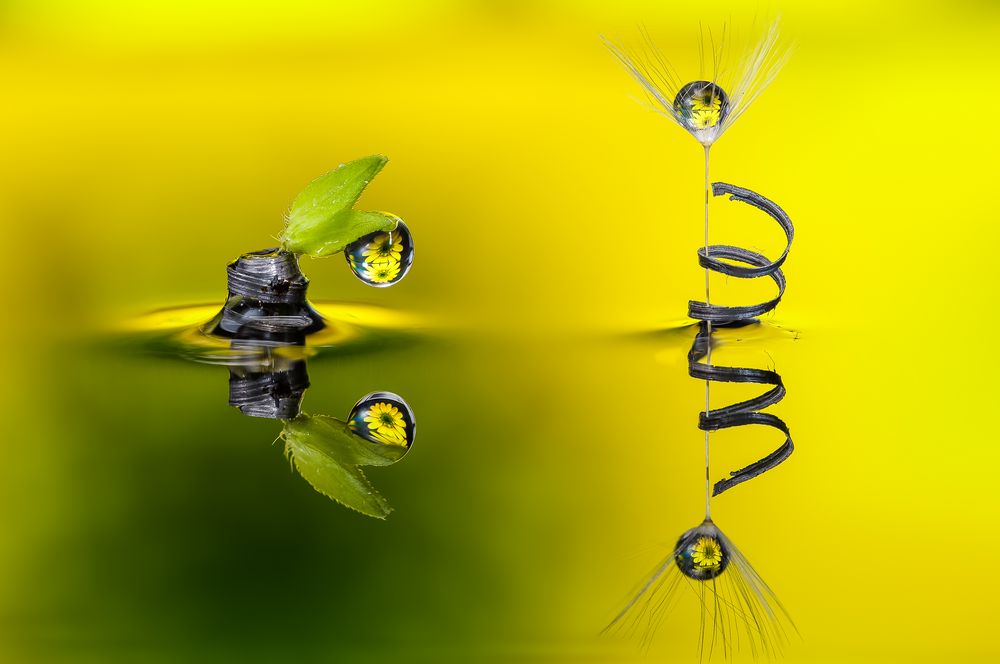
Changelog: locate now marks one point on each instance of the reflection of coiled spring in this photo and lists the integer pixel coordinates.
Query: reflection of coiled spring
(753, 265)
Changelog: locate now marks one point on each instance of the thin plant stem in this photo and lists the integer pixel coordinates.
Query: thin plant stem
(708, 356)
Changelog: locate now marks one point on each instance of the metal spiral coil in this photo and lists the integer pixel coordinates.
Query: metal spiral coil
(712, 315)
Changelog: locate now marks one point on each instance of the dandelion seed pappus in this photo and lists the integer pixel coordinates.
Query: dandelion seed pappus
(735, 604)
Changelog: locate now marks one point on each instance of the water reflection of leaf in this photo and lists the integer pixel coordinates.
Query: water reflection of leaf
(321, 221)
(328, 456)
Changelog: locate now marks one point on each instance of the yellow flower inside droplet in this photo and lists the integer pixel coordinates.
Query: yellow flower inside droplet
(381, 273)
(705, 109)
(707, 552)
(386, 424)
(384, 248)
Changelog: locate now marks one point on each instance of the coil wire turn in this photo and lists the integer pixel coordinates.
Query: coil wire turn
(753, 265)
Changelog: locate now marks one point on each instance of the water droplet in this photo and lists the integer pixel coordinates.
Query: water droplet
(382, 258)
(701, 105)
(383, 417)
(701, 553)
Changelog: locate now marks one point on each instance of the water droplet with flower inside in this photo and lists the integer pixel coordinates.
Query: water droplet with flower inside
(384, 417)
(701, 553)
(382, 258)
(701, 107)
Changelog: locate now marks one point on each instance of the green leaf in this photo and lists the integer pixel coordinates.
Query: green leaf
(340, 441)
(345, 227)
(345, 484)
(322, 221)
(328, 455)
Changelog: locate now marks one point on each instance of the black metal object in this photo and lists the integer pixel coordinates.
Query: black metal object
(267, 301)
(760, 265)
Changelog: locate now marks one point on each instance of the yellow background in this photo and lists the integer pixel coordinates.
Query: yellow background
(555, 223)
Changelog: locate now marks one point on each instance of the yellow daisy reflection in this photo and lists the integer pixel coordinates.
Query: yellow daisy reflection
(384, 248)
(706, 553)
(386, 424)
(706, 109)
(381, 273)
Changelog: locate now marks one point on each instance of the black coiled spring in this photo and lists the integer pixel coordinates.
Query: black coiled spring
(752, 265)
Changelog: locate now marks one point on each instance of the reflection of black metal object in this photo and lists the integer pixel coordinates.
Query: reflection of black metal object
(744, 412)
(268, 386)
(267, 301)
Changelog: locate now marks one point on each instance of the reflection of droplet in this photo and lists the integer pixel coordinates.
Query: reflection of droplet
(382, 258)
(383, 417)
(700, 553)
(701, 105)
